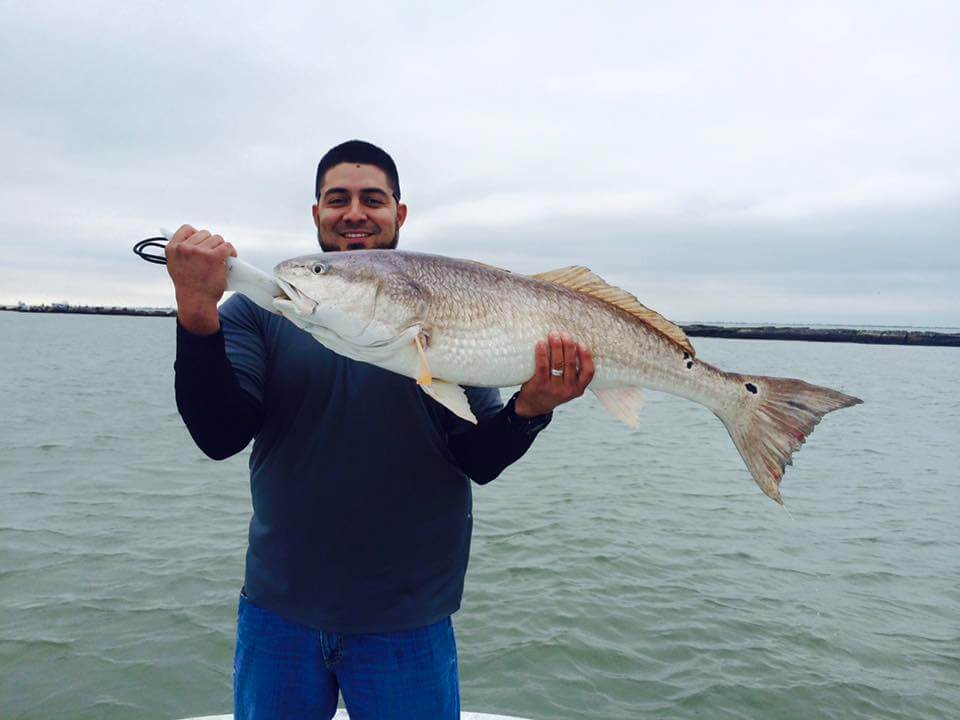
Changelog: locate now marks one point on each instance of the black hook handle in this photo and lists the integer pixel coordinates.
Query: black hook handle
(140, 249)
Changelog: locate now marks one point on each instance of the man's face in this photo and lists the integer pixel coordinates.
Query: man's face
(356, 209)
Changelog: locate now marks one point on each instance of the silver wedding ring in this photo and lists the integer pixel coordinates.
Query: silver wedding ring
(555, 372)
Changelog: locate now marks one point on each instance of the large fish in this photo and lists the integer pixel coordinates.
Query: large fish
(447, 322)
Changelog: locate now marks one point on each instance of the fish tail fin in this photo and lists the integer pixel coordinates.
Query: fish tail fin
(771, 418)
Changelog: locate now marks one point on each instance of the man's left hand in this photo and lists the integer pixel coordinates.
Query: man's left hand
(564, 368)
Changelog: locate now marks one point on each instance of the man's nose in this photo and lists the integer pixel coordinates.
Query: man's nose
(355, 212)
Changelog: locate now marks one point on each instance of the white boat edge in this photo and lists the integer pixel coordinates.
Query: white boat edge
(342, 715)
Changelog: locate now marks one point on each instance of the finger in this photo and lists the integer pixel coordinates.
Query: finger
(587, 367)
(217, 244)
(556, 358)
(182, 233)
(198, 237)
(224, 250)
(542, 362)
(569, 360)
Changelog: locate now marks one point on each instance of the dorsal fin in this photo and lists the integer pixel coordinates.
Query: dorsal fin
(588, 282)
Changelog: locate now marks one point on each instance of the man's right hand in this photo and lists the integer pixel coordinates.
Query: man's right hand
(196, 261)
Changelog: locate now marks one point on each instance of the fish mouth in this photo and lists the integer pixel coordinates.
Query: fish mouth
(306, 308)
(303, 304)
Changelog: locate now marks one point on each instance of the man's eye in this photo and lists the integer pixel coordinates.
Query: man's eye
(375, 202)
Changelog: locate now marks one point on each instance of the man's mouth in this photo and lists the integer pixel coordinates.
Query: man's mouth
(351, 238)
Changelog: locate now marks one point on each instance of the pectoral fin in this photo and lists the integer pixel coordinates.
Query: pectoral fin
(452, 397)
(424, 378)
(623, 403)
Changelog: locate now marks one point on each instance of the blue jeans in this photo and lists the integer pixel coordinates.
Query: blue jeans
(285, 670)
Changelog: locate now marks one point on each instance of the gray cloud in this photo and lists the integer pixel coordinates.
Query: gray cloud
(761, 160)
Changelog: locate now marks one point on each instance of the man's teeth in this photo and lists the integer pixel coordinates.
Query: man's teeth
(353, 236)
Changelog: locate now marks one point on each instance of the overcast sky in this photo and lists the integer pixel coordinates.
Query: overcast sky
(723, 161)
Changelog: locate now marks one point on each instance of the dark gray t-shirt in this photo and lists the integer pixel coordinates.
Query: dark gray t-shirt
(361, 504)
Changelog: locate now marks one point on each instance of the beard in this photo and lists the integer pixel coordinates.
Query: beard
(327, 247)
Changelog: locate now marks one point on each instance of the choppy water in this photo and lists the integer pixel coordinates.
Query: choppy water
(614, 574)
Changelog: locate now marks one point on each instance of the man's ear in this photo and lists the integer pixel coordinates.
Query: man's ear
(316, 215)
(401, 215)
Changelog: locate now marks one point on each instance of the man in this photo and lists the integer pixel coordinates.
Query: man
(361, 527)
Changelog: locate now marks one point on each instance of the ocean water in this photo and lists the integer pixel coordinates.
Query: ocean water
(614, 573)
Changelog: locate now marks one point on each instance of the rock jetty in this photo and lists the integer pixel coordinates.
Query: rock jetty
(847, 335)
(734, 332)
(90, 310)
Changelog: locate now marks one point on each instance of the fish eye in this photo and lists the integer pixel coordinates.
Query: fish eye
(320, 268)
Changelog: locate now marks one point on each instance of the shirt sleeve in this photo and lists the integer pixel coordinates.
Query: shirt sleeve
(486, 449)
(221, 416)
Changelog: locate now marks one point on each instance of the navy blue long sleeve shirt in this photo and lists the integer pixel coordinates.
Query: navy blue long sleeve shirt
(362, 505)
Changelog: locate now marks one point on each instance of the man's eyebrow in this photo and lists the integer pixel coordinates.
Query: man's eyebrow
(336, 190)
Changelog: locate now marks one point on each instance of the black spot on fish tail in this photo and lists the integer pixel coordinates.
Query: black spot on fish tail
(689, 364)
(686, 356)
(751, 387)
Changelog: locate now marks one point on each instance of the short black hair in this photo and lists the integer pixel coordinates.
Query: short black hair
(359, 151)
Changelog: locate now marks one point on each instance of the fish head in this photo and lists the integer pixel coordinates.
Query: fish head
(362, 295)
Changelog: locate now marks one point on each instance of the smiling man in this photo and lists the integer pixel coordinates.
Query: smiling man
(361, 484)
(358, 200)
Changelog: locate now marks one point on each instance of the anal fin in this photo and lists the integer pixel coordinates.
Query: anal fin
(623, 403)
(452, 397)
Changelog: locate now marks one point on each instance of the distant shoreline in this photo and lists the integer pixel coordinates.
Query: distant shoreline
(926, 338)
(64, 309)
